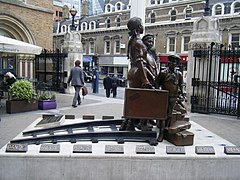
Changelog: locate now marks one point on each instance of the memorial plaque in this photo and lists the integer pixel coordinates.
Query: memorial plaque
(204, 150)
(69, 116)
(50, 148)
(16, 147)
(114, 149)
(50, 120)
(144, 149)
(232, 150)
(82, 148)
(175, 150)
(88, 117)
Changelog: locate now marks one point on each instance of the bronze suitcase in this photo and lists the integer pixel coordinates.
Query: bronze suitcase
(145, 104)
(184, 138)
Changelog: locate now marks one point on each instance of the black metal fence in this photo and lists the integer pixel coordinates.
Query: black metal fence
(216, 80)
(49, 69)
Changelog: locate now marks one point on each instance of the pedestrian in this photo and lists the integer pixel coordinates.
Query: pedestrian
(114, 85)
(76, 78)
(107, 83)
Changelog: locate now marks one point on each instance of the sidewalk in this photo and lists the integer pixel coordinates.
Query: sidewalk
(98, 105)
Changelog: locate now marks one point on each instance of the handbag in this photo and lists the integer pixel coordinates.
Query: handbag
(84, 91)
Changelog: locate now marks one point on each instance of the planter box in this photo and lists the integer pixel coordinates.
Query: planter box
(47, 104)
(15, 106)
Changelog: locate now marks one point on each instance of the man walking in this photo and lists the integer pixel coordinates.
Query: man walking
(77, 81)
(107, 83)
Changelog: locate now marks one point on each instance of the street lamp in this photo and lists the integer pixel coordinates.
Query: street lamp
(73, 12)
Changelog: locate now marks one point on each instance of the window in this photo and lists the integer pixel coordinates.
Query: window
(108, 8)
(60, 14)
(117, 46)
(56, 13)
(152, 16)
(235, 40)
(165, 1)
(107, 47)
(237, 7)
(152, 1)
(118, 20)
(171, 44)
(91, 48)
(108, 23)
(84, 48)
(186, 40)
(188, 13)
(92, 25)
(118, 6)
(173, 15)
(84, 26)
(218, 10)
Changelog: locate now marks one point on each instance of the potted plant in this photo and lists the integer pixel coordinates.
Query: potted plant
(22, 97)
(47, 100)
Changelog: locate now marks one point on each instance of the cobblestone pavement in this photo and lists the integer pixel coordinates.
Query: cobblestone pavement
(98, 105)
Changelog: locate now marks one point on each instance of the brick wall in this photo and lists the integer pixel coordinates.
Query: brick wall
(37, 18)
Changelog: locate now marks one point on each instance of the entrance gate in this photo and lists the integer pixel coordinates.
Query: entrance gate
(49, 70)
(216, 80)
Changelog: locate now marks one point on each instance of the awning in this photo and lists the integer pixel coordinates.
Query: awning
(9, 45)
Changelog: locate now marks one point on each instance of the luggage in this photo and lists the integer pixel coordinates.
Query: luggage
(145, 104)
(184, 138)
(178, 126)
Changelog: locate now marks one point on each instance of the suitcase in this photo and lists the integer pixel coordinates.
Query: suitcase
(178, 126)
(145, 104)
(184, 138)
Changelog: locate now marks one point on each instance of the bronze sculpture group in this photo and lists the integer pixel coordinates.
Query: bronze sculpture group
(144, 73)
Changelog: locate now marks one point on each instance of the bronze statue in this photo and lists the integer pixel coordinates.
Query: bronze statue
(143, 66)
(170, 79)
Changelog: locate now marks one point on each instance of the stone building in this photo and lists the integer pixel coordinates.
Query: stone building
(29, 21)
(105, 36)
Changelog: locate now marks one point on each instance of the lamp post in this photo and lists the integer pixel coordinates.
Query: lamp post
(73, 12)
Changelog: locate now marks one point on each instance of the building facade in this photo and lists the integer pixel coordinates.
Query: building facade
(105, 36)
(28, 21)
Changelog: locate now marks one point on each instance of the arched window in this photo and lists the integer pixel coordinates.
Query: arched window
(188, 14)
(237, 7)
(84, 26)
(173, 15)
(118, 22)
(118, 6)
(108, 23)
(108, 8)
(92, 25)
(152, 1)
(152, 18)
(218, 9)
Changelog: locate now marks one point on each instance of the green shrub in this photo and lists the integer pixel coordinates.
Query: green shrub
(22, 90)
(46, 95)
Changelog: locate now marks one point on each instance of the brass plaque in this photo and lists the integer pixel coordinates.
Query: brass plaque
(145, 149)
(204, 150)
(16, 147)
(114, 149)
(82, 148)
(175, 150)
(232, 150)
(50, 148)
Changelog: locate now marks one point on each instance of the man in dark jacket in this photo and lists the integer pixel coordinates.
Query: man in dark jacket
(77, 81)
(114, 85)
(107, 83)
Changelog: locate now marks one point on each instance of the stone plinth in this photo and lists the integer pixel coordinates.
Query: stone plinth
(131, 160)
